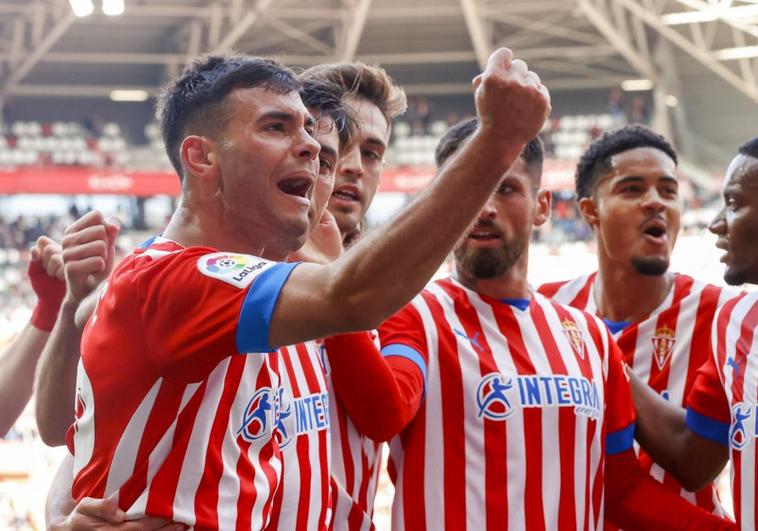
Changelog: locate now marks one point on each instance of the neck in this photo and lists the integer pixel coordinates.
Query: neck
(205, 225)
(623, 294)
(510, 285)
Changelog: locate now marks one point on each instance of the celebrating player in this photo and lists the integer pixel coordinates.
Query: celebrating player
(520, 414)
(628, 193)
(247, 178)
(721, 413)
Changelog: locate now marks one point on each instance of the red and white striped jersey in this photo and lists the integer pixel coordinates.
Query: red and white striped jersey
(172, 420)
(723, 404)
(666, 350)
(303, 500)
(521, 406)
(356, 463)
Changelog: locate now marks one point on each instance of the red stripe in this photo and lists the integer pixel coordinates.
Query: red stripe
(453, 423)
(582, 298)
(269, 454)
(206, 499)
(509, 329)
(551, 288)
(163, 486)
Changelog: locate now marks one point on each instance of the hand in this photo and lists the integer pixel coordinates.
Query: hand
(324, 243)
(45, 273)
(511, 101)
(89, 247)
(105, 514)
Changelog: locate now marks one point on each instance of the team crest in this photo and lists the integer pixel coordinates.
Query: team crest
(491, 397)
(574, 335)
(663, 345)
(738, 434)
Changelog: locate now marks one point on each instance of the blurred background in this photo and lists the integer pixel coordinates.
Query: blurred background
(78, 80)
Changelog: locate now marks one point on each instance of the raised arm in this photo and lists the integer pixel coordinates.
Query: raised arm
(19, 360)
(387, 268)
(663, 432)
(88, 250)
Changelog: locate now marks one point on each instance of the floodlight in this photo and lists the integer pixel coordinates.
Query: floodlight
(671, 100)
(113, 7)
(129, 95)
(633, 85)
(82, 8)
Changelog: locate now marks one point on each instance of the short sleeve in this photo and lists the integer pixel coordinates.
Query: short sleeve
(198, 306)
(708, 412)
(403, 335)
(619, 415)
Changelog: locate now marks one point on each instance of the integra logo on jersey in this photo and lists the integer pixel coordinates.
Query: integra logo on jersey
(738, 432)
(236, 269)
(263, 413)
(497, 395)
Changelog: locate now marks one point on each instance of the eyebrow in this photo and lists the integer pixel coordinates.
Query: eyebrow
(329, 150)
(376, 142)
(637, 178)
(285, 117)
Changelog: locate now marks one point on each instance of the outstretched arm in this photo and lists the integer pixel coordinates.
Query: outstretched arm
(387, 268)
(18, 363)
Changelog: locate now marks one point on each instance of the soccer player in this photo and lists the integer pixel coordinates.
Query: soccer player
(523, 416)
(175, 393)
(720, 422)
(628, 192)
(17, 363)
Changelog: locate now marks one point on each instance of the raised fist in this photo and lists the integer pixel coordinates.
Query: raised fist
(511, 101)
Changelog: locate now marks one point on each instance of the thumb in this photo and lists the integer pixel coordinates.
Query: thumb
(105, 509)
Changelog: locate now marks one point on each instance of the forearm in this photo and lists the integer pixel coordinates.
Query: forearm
(390, 266)
(636, 501)
(60, 503)
(380, 396)
(17, 373)
(56, 378)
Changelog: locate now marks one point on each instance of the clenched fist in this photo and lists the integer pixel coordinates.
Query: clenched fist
(511, 101)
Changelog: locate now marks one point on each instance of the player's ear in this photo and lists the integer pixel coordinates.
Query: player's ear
(588, 208)
(543, 207)
(199, 158)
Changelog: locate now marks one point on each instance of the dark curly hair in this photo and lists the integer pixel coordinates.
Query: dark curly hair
(596, 160)
(326, 98)
(532, 155)
(749, 148)
(193, 102)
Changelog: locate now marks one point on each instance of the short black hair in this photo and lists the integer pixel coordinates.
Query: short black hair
(533, 154)
(749, 148)
(596, 160)
(193, 101)
(326, 98)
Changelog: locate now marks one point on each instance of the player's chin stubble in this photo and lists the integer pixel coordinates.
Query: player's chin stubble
(489, 263)
(652, 267)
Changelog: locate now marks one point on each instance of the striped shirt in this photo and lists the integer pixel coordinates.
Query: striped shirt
(723, 403)
(521, 406)
(665, 350)
(173, 420)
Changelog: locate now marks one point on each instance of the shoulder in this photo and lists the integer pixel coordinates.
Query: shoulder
(566, 290)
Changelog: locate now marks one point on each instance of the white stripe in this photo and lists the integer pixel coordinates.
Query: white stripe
(680, 357)
(748, 453)
(125, 455)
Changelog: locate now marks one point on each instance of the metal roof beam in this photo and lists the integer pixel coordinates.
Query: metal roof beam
(478, 31)
(353, 22)
(241, 27)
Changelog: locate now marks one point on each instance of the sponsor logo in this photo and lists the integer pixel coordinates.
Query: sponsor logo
(262, 414)
(491, 397)
(236, 269)
(574, 335)
(663, 345)
(731, 362)
(498, 396)
(474, 340)
(738, 435)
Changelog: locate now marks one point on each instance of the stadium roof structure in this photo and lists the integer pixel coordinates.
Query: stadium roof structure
(699, 56)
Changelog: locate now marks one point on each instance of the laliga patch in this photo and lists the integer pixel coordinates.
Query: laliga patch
(239, 270)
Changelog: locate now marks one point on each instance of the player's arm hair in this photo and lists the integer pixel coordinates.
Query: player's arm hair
(663, 433)
(56, 377)
(384, 270)
(634, 500)
(381, 395)
(17, 366)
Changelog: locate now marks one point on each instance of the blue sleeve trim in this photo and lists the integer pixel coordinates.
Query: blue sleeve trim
(707, 427)
(404, 351)
(619, 441)
(258, 308)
